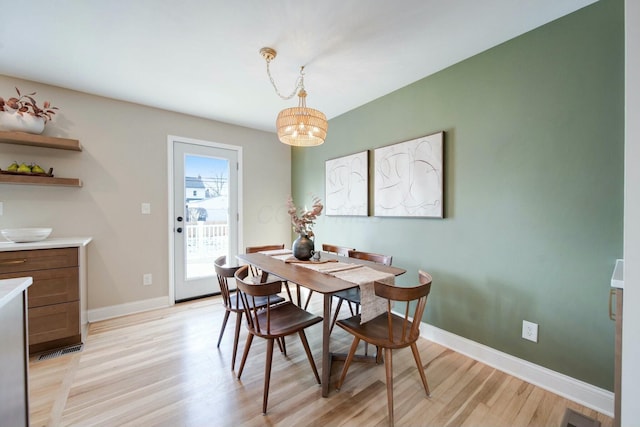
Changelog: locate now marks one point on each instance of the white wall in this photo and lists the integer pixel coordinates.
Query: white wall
(631, 317)
(124, 163)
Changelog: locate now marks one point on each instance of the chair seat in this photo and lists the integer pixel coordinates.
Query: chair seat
(237, 305)
(376, 331)
(286, 319)
(352, 295)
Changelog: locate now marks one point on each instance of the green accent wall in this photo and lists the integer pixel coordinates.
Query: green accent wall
(534, 145)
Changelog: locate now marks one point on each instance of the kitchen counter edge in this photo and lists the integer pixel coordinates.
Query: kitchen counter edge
(9, 288)
(54, 242)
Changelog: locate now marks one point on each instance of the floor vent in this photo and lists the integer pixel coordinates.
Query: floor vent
(576, 419)
(60, 352)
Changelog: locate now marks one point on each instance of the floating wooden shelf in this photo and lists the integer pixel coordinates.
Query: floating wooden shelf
(22, 138)
(40, 180)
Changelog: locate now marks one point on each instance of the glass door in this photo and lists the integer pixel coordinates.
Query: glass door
(205, 215)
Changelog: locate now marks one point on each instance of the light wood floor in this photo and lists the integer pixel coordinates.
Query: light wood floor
(162, 368)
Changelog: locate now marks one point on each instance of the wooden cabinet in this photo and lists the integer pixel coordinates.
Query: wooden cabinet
(54, 296)
(21, 138)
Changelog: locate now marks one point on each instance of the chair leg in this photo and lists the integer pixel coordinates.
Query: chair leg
(267, 375)
(306, 304)
(353, 313)
(224, 325)
(286, 286)
(235, 339)
(335, 315)
(305, 343)
(388, 364)
(347, 362)
(416, 356)
(247, 346)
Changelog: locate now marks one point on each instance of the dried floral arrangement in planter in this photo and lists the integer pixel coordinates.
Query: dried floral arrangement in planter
(302, 223)
(24, 114)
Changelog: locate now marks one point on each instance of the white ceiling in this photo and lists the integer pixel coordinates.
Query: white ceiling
(200, 57)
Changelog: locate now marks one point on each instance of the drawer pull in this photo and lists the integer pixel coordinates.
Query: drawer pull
(15, 261)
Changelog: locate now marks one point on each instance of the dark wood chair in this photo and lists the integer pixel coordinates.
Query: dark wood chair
(391, 331)
(254, 249)
(272, 323)
(332, 249)
(352, 296)
(233, 303)
(255, 272)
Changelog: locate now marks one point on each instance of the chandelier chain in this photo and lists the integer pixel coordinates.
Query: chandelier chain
(299, 83)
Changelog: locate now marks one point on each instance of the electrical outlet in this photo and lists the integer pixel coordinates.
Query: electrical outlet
(146, 209)
(530, 331)
(147, 279)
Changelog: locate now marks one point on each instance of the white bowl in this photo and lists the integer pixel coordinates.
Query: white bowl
(23, 235)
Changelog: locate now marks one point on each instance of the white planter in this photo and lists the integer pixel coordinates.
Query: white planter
(12, 121)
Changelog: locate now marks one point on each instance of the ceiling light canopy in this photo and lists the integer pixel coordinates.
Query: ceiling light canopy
(299, 126)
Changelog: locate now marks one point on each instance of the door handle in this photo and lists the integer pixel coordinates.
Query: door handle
(179, 229)
(612, 293)
(179, 219)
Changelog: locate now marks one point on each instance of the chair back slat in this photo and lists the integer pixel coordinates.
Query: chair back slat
(370, 256)
(417, 294)
(249, 292)
(224, 273)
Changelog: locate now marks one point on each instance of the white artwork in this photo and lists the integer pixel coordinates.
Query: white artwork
(346, 185)
(408, 178)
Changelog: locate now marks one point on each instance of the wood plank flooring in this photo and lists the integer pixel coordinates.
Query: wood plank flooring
(162, 368)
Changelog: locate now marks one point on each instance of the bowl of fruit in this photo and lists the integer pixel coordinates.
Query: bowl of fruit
(24, 235)
(25, 169)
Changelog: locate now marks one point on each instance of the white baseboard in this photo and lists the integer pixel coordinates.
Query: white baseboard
(578, 391)
(112, 311)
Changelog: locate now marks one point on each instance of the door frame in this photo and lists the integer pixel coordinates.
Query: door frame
(171, 139)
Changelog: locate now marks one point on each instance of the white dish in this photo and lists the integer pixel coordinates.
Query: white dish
(24, 235)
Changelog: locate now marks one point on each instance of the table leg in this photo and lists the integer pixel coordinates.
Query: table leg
(326, 355)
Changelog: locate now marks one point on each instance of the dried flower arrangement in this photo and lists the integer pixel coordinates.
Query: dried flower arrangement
(303, 222)
(26, 104)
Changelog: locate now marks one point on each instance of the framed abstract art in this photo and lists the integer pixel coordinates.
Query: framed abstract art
(347, 185)
(408, 178)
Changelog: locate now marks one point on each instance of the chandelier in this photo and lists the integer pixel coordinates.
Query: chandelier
(299, 126)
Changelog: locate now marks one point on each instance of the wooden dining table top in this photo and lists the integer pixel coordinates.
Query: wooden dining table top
(311, 279)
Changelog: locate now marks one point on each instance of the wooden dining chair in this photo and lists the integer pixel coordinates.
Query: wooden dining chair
(233, 303)
(391, 331)
(332, 249)
(352, 296)
(255, 272)
(272, 323)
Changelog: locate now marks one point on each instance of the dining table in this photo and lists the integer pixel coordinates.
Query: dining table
(300, 273)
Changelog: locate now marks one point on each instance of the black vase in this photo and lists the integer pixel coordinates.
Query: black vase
(303, 248)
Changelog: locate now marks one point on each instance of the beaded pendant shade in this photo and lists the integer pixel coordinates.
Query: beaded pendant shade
(299, 126)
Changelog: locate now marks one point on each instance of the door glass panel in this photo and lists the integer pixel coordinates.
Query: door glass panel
(206, 202)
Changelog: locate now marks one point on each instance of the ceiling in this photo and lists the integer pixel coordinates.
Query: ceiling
(200, 57)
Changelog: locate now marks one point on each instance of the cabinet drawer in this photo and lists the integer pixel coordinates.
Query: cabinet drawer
(38, 259)
(54, 286)
(53, 322)
(51, 286)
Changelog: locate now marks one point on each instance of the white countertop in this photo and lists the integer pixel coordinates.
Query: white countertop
(50, 243)
(9, 288)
